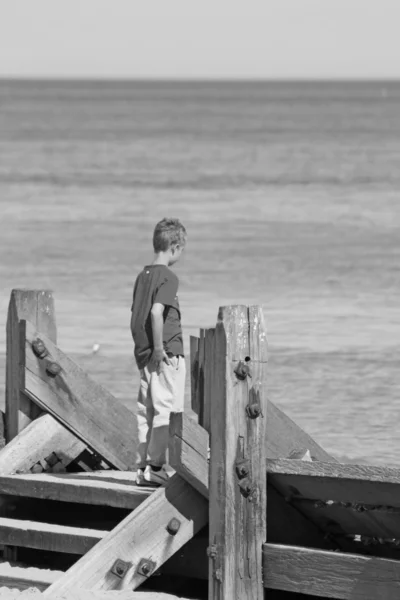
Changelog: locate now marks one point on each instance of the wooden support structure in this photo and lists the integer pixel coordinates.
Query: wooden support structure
(145, 536)
(79, 403)
(36, 442)
(69, 488)
(36, 306)
(47, 536)
(330, 574)
(329, 530)
(238, 491)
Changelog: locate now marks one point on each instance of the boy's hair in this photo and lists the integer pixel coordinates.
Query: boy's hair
(167, 233)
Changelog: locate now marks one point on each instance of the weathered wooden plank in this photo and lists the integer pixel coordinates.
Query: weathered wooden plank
(200, 376)
(47, 536)
(238, 501)
(80, 404)
(335, 481)
(194, 373)
(38, 307)
(22, 578)
(208, 363)
(73, 489)
(141, 535)
(330, 574)
(344, 519)
(188, 445)
(38, 440)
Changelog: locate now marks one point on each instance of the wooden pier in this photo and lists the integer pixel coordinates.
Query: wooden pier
(254, 507)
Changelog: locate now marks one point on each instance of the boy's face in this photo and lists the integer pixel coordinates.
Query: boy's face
(175, 253)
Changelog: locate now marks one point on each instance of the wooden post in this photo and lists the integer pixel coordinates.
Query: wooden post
(238, 494)
(207, 385)
(36, 306)
(194, 369)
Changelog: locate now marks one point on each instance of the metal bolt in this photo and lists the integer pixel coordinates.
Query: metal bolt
(242, 468)
(242, 371)
(253, 411)
(120, 567)
(212, 551)
(39, 348)
(146, 567)
(173, 526)
(53, 369)
(247, 489)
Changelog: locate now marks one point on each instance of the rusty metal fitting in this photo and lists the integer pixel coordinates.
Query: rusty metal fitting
(242, 370)
(39, 348)
(53, 369)
(146, 567)
(253, 410)
(120, 568)
(173, 526)
(212, 551)
(242, 468)
(247, 488)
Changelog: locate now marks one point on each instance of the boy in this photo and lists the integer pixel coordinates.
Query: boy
(157, 333)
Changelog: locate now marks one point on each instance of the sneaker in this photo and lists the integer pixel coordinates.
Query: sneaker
(152, 477)
(140, 477)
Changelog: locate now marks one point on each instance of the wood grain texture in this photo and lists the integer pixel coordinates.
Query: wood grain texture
(330, 574)
(188, 445)
(73, 489)
(38, 440)
(194, 373)
(142, 534)
(38, 307)
(15, 576)
(335, 481)
(46, 536)
(208, 363)
(237, 523)
(80, 404)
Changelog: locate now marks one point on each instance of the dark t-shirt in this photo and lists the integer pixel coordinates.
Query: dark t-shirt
(156, 283)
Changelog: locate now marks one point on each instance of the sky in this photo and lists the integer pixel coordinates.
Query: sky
(276, 39)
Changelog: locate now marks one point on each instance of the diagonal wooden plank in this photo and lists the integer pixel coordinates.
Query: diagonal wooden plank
(141, 535)
(330, 574)
(79, 403)
(38, 440)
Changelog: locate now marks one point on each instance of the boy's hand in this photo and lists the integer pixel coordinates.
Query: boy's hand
(159, 355)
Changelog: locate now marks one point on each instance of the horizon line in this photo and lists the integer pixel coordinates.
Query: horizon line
(190, 79)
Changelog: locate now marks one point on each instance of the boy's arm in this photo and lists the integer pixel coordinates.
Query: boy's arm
(157, 324)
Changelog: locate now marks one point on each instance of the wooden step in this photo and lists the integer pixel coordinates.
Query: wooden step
(118, 493)
(22, 578)
(47, 536)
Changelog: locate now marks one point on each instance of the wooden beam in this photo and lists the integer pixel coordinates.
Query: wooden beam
(338, 482)
(38, 440)
(208, 362)
(330, 574)
(38, 307)
(80, 404)
(47, 536)
(238, 507)
(194, 373)
(73, 489)
(22, 578)
(188, 445)
(141, 535)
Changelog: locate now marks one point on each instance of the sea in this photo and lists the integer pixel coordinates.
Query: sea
(290, 194)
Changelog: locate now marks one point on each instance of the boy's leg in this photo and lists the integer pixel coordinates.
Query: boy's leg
(167, 392)
(144, 418)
